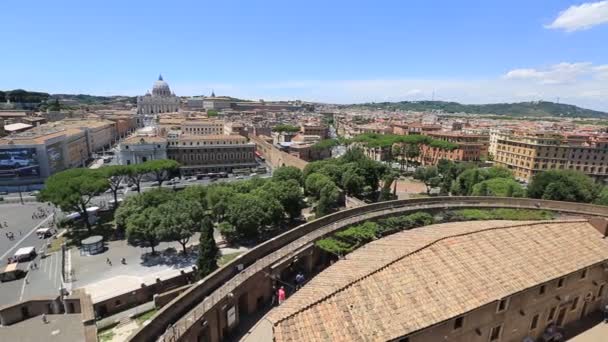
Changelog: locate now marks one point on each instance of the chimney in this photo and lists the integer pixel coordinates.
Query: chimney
(601, 224)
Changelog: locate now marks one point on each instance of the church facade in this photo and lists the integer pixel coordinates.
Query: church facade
(162, 100)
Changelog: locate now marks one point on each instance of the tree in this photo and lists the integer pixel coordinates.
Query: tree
(180, 220)
(135, 204)
(218, 200)
(197, 193)
(429, 176)
(315, 182)
(352, 183)
(412, 152)
(142, 228)
(208, 253)
(328, 200)
(162, 169)
(246, 212)
(136, 173)
(115, 175)
(602, 198)
(286, 173)
(72, 190)
(505, 187)
(289, 194)
(563, 185)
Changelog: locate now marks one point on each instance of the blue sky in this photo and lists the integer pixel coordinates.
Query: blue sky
(332, 51)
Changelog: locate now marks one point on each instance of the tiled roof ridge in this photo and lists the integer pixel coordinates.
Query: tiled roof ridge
(399, 258)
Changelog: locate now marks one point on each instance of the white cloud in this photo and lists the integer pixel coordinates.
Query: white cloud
(581, 17)
(559, 73)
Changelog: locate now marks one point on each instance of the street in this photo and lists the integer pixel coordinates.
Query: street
(47, 278)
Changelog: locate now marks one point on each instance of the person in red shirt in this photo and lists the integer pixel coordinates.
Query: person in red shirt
(281, 295)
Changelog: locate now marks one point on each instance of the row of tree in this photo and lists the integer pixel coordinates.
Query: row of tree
(466, 179)
(353, 172)
(72, 190)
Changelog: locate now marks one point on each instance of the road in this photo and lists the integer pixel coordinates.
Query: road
(42, 282)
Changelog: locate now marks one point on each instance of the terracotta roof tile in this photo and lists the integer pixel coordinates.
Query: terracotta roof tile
(414, 279)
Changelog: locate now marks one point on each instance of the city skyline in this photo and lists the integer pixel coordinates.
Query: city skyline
(337, 53)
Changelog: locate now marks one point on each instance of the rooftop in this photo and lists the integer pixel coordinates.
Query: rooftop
(381, 291)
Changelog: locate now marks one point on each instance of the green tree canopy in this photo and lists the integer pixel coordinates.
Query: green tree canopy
(180, 220)
(143, 228)
(286, 173)
(563, 185)
(315, 182)
(503, 187)
(115, 174)
(429, 176)
(286, 128)
(162, 169)
(72, 190)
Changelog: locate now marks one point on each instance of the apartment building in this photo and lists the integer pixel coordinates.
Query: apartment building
(210, 153)
(319, 130)
(412, 128)
(470, 148)
(527, 155)
(202, 127)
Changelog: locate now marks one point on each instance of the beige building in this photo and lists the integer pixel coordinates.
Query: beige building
(100, 133)
(211, 153)
(27, 158)
(202, 127)
(483, 281)
(530, 154)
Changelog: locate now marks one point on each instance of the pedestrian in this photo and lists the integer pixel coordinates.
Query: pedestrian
(44, 320)
(281, 295)
(606, 314)
(35, 265)
(299, 280)
(20, 233)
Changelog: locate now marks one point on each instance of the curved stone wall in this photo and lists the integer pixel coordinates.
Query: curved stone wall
(176, 320)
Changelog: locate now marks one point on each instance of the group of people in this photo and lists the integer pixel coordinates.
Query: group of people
(280, 294)
(40, 213)
(11, 235)
(122, 261)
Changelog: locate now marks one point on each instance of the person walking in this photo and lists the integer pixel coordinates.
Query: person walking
(299, 280)
(44, 319)
(281, 295)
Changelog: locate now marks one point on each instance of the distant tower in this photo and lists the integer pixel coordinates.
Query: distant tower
(212, 93)
(160, 77)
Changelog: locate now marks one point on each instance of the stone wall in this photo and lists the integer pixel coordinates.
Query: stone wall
(144, 294)
(201, 310)
(275, 157)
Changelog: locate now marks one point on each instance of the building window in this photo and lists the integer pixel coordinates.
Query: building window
(502, 305)
(584, 274)
(600, 292)
(458, 322)
(541, 290)
(574, 304)
(560, 283)
(534, 323)
(495, 333)
(552, 314)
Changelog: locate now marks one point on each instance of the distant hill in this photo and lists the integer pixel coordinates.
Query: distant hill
(92, 99)
(521, 109)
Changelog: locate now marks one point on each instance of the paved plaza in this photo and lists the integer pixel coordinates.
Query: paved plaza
(102, 280)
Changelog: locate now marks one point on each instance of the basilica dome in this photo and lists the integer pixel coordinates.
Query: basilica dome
(161, 88)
